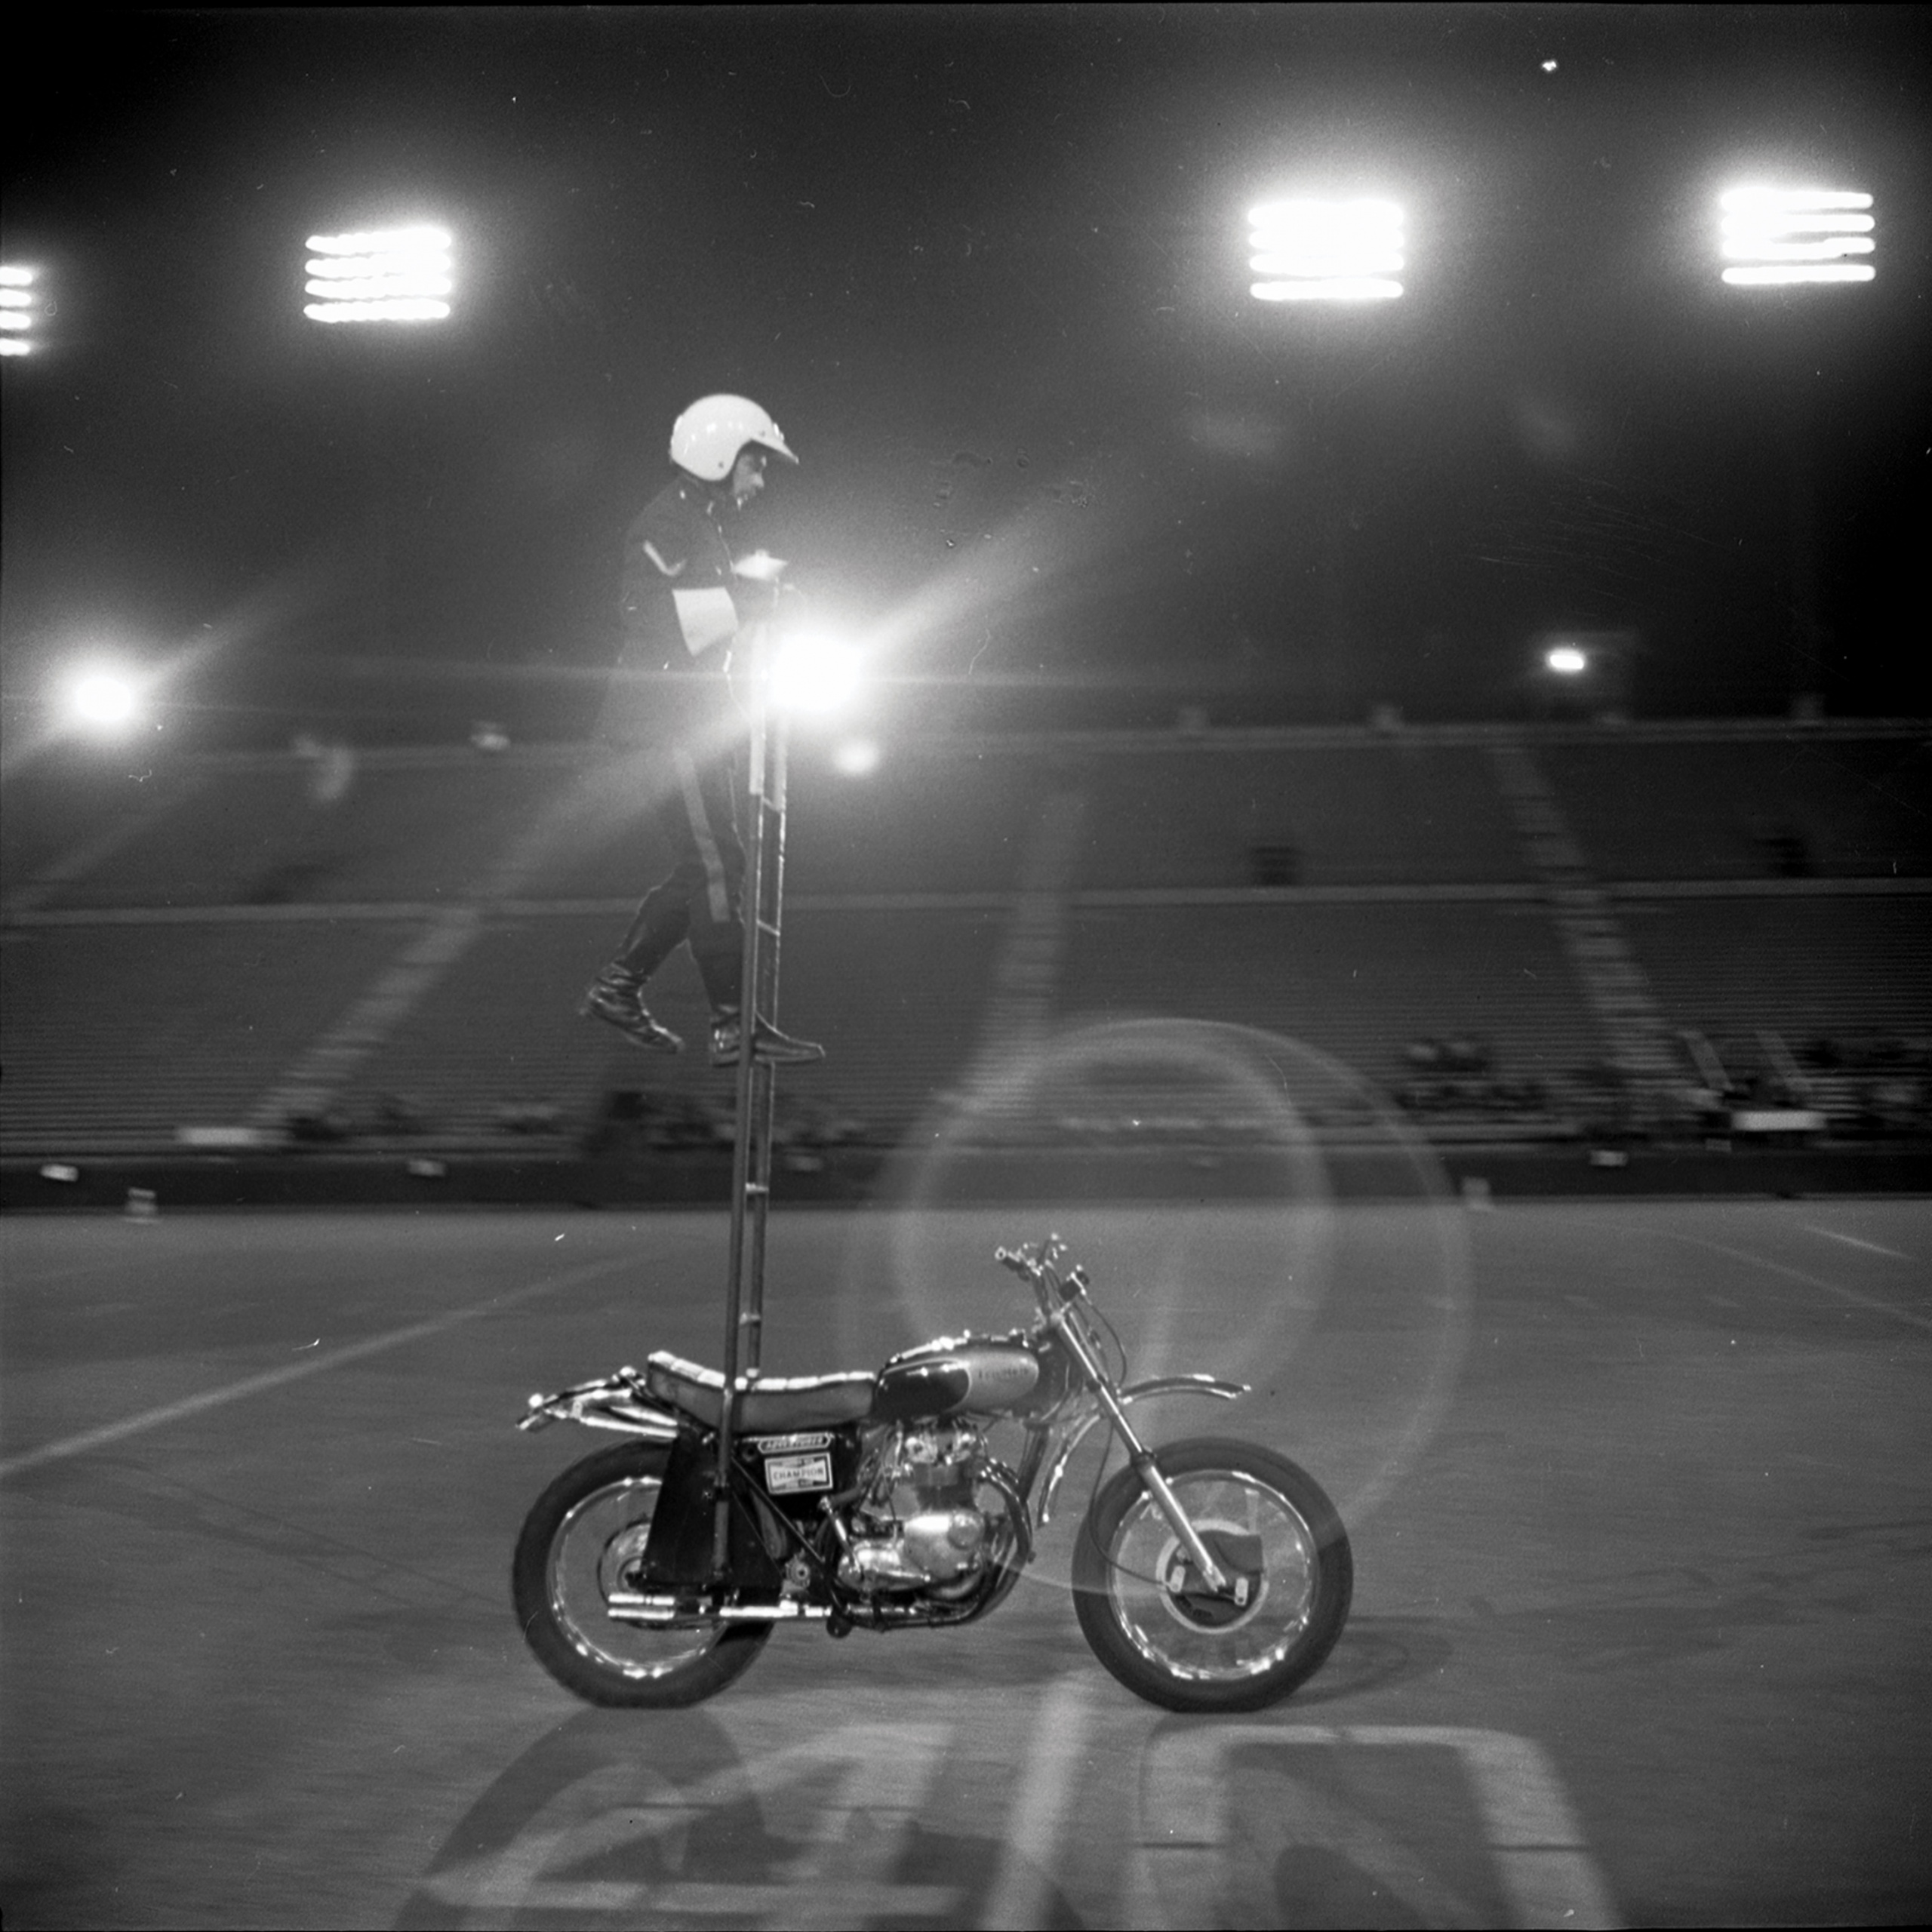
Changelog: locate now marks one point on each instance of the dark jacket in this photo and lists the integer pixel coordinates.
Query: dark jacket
(678, 615)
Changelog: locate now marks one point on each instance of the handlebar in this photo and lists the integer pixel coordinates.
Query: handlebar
(1035, 1266)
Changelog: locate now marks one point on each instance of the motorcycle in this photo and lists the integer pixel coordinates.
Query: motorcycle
(1208, 1575)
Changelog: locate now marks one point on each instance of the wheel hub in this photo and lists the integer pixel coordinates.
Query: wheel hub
(1187, 1593)
(621, 1566)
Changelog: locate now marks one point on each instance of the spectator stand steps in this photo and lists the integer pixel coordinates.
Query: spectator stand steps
(1618, 992)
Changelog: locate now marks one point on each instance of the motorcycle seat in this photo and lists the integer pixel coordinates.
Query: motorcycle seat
(765, 1406)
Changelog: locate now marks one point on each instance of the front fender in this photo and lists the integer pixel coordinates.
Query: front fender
(1134, 1391)
(620, 1401)
(1182, 1385)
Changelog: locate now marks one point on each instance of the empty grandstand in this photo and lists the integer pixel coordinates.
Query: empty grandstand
(1506, 929)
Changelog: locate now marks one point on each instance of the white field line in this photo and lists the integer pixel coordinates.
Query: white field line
(1852, 1295)
(1853, 1241)
(1030, 1844)
(1533, 1836)
(275, 1378)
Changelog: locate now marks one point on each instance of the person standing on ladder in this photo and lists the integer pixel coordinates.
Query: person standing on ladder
(670, 702)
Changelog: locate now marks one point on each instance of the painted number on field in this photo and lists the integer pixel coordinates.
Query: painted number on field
(1254, 1823)
(816, 1833)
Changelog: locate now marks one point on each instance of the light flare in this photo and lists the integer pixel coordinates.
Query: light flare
(813, 674)
(1772, 236)
(1312, 250)
(1349, 288)
(1769, 276)
(103, 699)
(19, 302)
(397, 275)
(857, 757)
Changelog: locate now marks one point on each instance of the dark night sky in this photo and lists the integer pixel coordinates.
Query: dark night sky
(988, 269)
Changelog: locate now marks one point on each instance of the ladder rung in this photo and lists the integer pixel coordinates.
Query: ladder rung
(768, 926)
(756, 1187)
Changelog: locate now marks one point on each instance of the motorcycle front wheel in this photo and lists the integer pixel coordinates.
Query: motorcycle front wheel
(1148, 1613)
(584, 1538)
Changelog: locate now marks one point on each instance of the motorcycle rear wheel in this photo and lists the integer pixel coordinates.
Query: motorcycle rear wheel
(585, 1536)
(1151, 1620)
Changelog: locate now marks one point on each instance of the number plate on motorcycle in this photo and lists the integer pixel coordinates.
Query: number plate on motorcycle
(784, 1445)
(786, 1475)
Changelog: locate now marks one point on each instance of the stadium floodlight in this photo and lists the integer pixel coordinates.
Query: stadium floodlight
(1773, 237)
(388, 275)
(101, 699)
(814, 674)
(1306, 250)
(20, 307)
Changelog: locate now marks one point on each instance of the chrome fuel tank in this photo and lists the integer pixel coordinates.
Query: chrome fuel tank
(956, 1374)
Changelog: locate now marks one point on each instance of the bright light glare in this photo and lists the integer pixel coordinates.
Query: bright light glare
(1341, 288)
(1314, 250)
(394, 274)
(1757, 226)
(1765, 277)
(1775, 236)
(857, 757)
(379, 240)
(390, 310)
(813, 674)
(381, 287)
(1566, 660)
(1800, 199)
(1736, 250)
(18, 302)
(1334, 266)
(100, 699)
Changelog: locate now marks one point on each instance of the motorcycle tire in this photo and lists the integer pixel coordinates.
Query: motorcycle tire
(584, 1536)
(1149, 1614)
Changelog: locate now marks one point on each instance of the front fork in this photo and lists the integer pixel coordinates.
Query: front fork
(1138, 1453)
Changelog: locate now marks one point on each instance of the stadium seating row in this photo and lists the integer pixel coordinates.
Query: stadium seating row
(202, 929)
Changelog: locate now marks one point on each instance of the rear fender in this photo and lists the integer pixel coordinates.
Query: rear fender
(1135, 1392)
(620, 1401)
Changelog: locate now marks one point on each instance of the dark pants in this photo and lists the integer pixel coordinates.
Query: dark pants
(698, 904)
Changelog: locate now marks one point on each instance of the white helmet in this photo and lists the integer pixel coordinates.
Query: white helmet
(707, 438)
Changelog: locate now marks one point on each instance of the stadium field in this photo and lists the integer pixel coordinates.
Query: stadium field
(1640, 1495)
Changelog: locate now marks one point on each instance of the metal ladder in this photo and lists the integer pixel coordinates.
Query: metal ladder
(762, 902)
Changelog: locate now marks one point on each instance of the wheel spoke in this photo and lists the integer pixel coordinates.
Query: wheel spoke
(596, 1550)
(1154, 1620)
(1168, 1628)
(583, 1541)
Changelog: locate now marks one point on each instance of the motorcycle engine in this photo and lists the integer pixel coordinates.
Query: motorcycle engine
(920, 1526)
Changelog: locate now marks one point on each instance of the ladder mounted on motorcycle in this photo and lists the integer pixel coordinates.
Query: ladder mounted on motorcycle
(763, 901)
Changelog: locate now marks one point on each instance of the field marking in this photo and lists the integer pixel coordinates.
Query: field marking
(275, 1378)
(1852, 1241)
(1540, 1853)
(839, 1872)
(1798, 1275)
(1030, 1843)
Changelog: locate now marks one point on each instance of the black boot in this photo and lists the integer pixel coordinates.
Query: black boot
(773, 1047)
(617, 998)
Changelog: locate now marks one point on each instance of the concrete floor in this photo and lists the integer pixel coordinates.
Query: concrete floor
(1640, 1495)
